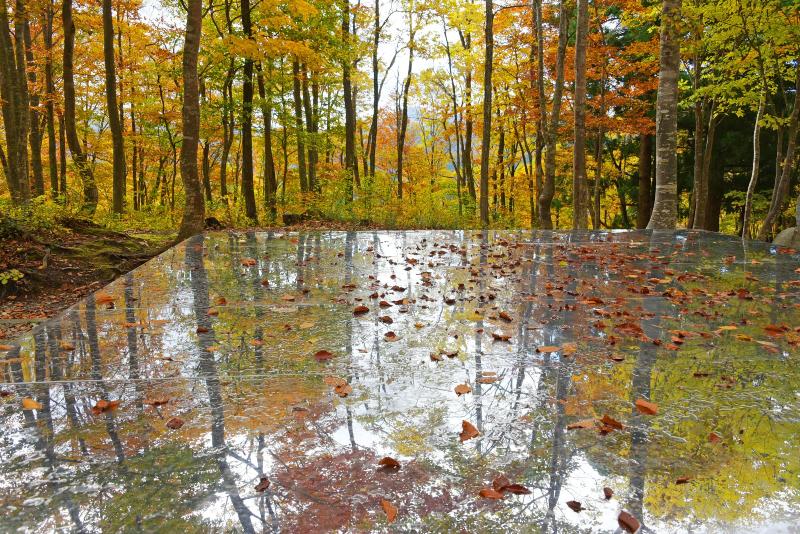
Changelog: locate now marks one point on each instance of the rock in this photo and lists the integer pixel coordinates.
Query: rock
(788, 238)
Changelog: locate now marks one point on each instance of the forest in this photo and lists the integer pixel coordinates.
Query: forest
(400, 113)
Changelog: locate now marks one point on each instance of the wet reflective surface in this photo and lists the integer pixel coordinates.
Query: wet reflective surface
(241, 360)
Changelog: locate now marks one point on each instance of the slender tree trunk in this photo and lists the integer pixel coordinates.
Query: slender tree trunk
(49, 105)
(548, 187)
(751, 186)
(487, 112)
(541, 126)
(699, 143)
(311, 129)
(665, 207)
(194, 212)
(579, 180)
(62, 156)
(227, 130)
(598, 158)
(298, 121)
(270, 180)
(248, 190)
(35, 131)
(466, 158)
(373, 126)
(645, 163)
(701, 198)
(90, 194)
(401, 137)
(118, 144)
(349, 107)
(782, 186)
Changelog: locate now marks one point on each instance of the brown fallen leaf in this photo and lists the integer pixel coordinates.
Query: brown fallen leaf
(387, 463)
(390, 510)
(323, 355)
(30, 404)
(103, 298)
(202, 330)
(487, 380)
(585, 423)
(334, 381)
(548, 348)
(6, 348)
(468, 431)
(575, 506)
(103, 406)
(628, 522)
(646, 407)
(608, 493)
(517, 489)
(66, 345)
(683, 480)
(463, 389)
(360, 310)
(611, 422)
(490, 493)
(436, 357)
(343, 390)
(175, 423)
(501, 482)
(714, 438)
(156, 402)
(390, 336)
(505, 316)
(262, 485)
(249, 262)
(386, 319)
(501, 336)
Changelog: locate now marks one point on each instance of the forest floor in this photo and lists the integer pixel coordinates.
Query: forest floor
(63, 265)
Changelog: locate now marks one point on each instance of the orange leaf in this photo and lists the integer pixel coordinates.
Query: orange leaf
(646, 407)
(548, 348)
(490, 493)
(389, 464)
(586, 423)
(322, 355)
(30, 404)
(468, 431)
(463, 389)
(390, 510)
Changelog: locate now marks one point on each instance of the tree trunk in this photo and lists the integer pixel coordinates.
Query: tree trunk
(486, 141)
(311, 129)
(52, 156)
(782, 186)
(14, 89)
(699, 133)
(227, 131)
(751, 186)
(579, 181)
(118, 144)
(35, 131)
(665, 208)
(548, 187)
(248, 191)
(90, 194)
(270, 180)
(298, 122)
(645, 161)
(194, 212)
(349, 107)
(401, 137)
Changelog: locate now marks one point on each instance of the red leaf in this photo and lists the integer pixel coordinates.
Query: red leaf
(323, 355)
(389, 464)
(646, 407)
(489, 493)
(575, 506)
(468, 431)
(628, 522)
(360, 310)
(390, 510)
(608, 493)
(262, 485)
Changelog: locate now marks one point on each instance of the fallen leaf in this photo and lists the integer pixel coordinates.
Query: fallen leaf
(613, 423)
(323, 355)
(334, 381)
(585, 423)
(360, 310)
(683, 480)
(103, 406)
(390, 336)
(6, 348)
(390, 510)
(66, 345)
(386, 319)
(388, 463)
(175, 423)
(103, 298)
(501, 482)
(30, 404)
(500, 336)
(714, 437)
(517, 489)
(463, 389)
(490, 493)
(156, 402)
(608, 493)
(646, 407)
(343, 390)
(436, 357)
(262, 485)
(202, 330)
(505, 316)
(628, 522)
(468, 431)
(575, 506)
(248, 262)
(487, 380)
(548, 348)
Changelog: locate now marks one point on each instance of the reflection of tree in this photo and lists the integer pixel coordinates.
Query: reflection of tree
(208, 371)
